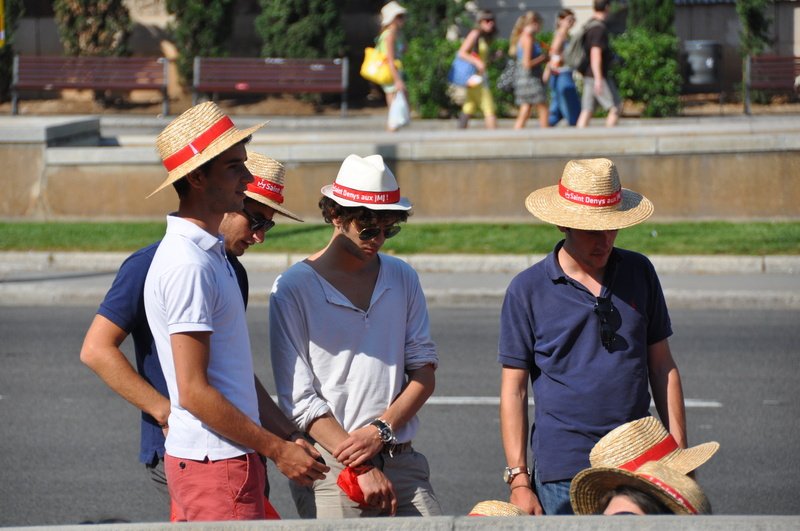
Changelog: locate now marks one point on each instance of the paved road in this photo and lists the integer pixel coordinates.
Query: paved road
(68, 447)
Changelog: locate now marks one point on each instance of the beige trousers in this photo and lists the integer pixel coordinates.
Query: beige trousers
(408, 471)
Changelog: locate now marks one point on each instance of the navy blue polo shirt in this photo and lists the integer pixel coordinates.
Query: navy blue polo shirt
(124, 306)
(581, 389)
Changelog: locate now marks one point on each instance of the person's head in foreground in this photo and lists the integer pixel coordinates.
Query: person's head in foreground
(654, 488)
(204, 155)
(264, 198)
(364, 205)
(589, 205)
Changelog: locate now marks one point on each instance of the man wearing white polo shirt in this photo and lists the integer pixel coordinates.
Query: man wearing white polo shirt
(196, 314)
(352, 355)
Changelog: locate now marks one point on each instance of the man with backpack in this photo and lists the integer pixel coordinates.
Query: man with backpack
(597, 85)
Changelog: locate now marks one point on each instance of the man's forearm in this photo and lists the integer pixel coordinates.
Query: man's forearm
(420, 387)
(270, 415)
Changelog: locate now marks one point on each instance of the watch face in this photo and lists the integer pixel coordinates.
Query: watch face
(386, 434)
(507, 475)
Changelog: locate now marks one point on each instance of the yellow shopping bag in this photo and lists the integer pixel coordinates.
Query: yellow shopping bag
(375, 67)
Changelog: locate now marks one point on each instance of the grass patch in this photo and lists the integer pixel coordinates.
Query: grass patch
(702, 238)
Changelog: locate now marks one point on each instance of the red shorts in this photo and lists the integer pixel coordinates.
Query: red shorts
(228, 489)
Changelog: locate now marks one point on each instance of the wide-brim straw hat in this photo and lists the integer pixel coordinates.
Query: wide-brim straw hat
(680, 493)
(634, 443)
(496, 508)
(366, 182)
(267, 186)
(589, 196)
(195, 137)
(390, 11)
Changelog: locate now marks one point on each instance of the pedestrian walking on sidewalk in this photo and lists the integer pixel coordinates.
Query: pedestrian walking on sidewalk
(589, 327)
(122, 313)
(352, 355)
(196, 315)
(564, 100)
(531, 57)
(597, 83)
(475, 48)
(392, 43)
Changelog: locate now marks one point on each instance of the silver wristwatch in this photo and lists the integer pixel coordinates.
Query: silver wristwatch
(385, 431)
(510, 473)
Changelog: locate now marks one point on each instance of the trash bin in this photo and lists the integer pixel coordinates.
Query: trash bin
(703, 60)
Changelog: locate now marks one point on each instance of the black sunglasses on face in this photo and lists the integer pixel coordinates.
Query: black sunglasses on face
(257, 224)
(372, 232)
(610, 320)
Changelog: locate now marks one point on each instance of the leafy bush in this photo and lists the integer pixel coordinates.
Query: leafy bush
(433, 18)
(655, 16)
(201, 28)
(304, 29)
(648, 72)
(13, 13)
(426, 63)
(93, 27)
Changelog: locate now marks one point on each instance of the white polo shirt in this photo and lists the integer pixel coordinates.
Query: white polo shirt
(330, 356)
(191, 287)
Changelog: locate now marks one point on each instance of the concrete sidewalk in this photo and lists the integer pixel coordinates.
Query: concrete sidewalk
(35, 278)
(459, 523)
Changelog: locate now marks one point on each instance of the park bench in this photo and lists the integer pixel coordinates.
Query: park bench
(46, 73)
(772, 73)
(270, 75)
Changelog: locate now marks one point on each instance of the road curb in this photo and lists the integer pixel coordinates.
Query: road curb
(11, 261)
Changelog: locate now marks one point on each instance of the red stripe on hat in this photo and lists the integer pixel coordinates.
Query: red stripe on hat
(589, 200)
(361, 196)
(196, 146)
(671, 491)
(266, 188)
(655, 453)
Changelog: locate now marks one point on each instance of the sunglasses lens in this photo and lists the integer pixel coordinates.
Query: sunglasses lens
(391, 232)
(369, 233)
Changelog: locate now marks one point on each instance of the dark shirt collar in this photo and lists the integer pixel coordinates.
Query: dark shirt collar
(557, 275)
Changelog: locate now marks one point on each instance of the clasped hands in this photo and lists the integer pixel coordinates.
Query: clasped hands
(357, 449)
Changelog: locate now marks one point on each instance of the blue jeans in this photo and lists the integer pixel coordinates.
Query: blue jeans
(564, 100)
(553, 495)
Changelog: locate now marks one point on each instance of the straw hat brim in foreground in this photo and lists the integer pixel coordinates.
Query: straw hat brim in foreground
(645, 439)
(496, 508)
(678, 492)
(547, 205)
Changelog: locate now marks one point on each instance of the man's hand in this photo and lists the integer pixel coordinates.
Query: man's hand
(297, 463)
(378, 491)
(360, 446)
(524, 498)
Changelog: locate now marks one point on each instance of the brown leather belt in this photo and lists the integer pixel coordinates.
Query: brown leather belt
(397, 448)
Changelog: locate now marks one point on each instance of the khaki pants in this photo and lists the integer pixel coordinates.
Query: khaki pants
(408, 471)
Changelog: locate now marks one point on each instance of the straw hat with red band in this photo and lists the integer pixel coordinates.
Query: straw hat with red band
(267, 185)
(680, 493)
(366, 182)
(496, 508)
(195, 137)
(589, 196)
(634, 443)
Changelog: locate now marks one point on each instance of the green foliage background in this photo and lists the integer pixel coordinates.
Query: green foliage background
(93, 27)
(649, 72)
(201, 28)
(307, 28)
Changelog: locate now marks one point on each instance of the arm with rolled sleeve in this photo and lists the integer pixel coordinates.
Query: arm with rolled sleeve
(289, 351)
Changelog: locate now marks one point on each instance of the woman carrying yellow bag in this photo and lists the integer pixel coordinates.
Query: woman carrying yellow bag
(391, 42)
